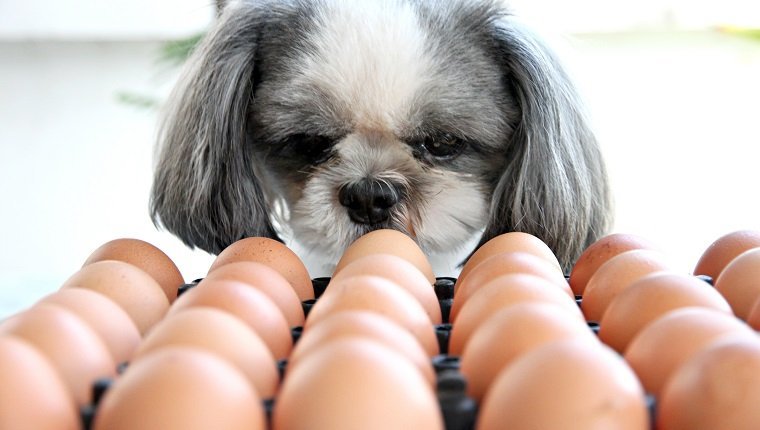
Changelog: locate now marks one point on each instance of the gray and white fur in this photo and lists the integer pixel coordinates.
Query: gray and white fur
(327, 119)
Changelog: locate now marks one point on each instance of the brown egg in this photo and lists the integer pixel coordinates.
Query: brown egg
(719, 388)
(266, 280)
(663, 346)
(367, 325)
(599, 252)
(273, 254)
(739, 282)
(250, 305)
(376, 294)
(401, 272)
(223, 334)
(127, 285)
(575, 384)
(650, 297)
(32, 394)
(510, 333)
(181, 388)
(509, 242)
(725, 249)
(504, 264)
(356, 383)
(386, 241)
(114, 326)
(145, 256)
(499, 294)
(616, 275)
(72, 347)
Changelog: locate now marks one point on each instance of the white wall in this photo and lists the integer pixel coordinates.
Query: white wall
(613, 16)
(103, 19)
(147, 19)
(75, 163)
(676, 114)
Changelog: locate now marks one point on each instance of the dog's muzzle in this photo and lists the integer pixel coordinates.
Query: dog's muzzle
(369, 201)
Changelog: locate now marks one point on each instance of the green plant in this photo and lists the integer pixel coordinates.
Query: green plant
(172, 54)
(750, 33)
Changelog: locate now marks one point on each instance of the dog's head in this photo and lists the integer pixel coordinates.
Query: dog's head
(331, 118)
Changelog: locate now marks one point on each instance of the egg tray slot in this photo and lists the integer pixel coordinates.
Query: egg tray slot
(458, 409)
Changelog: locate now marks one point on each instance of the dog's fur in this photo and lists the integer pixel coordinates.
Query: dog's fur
(285, 103)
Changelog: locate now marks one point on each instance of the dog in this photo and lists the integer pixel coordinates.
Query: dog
(323, 120)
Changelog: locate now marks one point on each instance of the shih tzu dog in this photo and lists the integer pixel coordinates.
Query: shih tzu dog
(326, 119)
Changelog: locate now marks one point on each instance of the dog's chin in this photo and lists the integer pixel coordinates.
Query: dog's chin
(325, 238)
(328, 238)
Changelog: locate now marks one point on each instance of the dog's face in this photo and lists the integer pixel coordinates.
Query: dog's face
(369, 121)
(333, 118)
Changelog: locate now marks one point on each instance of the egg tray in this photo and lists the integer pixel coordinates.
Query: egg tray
(459, 410)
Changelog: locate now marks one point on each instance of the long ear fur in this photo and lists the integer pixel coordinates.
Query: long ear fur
(554, 184)
(205, 189)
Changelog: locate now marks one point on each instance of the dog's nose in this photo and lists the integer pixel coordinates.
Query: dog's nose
(368, 201)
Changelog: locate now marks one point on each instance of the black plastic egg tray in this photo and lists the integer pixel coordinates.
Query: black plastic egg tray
(458, 409)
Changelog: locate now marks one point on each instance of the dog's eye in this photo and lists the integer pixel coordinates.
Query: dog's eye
(445, 146)
(314, 148)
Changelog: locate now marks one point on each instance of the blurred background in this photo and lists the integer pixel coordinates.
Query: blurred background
(673, 87)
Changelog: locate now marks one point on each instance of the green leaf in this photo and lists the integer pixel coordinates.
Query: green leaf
(750, 33)
(137, 100)
(177, 51)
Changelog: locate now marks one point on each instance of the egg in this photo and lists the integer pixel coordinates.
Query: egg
(266, 280)
(32, 394)
(376, 294)
(181, 388)
(356, 384)
(510, 333)
(273, 254)
(385, 241)
(650, 297)
(615, 276)
(598, 253)
(739, 282)
(724, 249)
(663, 346)
(367, 325)
(253, 307)
(509, 242)
(145, 256)
(575, 384)
(127, 285)
(401, 272)
(719, 388)
(73, 348)
(221, 333)
(114, 326)
(499, 294)
(504, 264)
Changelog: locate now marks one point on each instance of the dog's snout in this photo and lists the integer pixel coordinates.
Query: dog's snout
(369, 201)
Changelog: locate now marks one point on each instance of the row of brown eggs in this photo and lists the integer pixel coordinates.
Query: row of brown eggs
(525, 349)
(527, 353)
(680, 335)
(364, 358)
(51, 353)
(114, 310)
(388, 385)
(211, 360)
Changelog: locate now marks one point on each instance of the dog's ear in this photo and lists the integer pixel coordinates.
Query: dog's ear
(554, 183)
(205, 189)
